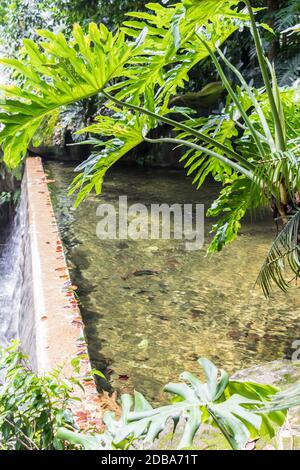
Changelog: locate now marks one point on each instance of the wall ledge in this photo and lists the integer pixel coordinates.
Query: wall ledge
(59, 335)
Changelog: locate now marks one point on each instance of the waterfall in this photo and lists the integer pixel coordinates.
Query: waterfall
(15, 276)
(10, 274)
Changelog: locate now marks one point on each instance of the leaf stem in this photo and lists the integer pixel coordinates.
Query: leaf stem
(265, 75)
(183, 127)
(235, 166)
(234, 97)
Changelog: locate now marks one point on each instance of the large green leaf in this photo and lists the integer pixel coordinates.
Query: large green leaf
(240, 410)
(57, 73)
(141, 57)
(121, 134)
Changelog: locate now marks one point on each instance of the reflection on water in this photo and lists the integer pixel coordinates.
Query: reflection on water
(143, 330)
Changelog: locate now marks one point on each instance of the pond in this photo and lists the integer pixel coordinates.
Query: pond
(150, 307)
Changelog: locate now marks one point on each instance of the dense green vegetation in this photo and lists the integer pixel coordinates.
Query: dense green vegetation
(251, 146)
(119, 74)
(18, 21)
(32, 408)
(20, 18)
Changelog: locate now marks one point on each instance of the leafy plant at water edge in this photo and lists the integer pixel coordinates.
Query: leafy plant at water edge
(35, 412)
(252, 147)
(32, 408)
(240, 410)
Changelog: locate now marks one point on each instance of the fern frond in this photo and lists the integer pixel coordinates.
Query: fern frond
(288, 71)
(121, 133)
(287, 16)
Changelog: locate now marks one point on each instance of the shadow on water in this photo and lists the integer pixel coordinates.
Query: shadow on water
(84, 291)
(143, 330)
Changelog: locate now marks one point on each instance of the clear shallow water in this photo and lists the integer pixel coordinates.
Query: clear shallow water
(144, 330)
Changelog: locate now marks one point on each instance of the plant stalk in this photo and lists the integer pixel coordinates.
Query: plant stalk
(266, 79)
(183, 127)
(235, 166)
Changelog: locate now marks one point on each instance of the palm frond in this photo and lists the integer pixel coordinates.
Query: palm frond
(278, 168)
(283, 258)
(288, 71)
(283, 400)
(287, 16)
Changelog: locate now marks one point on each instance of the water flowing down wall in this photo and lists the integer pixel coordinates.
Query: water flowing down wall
(12, 260)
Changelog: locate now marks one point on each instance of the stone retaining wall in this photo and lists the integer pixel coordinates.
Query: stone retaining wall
(51, 329)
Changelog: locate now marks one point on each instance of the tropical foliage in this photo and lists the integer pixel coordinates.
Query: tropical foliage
(32, 408)
(36, 411)
(240, 410)
(285, 46)
(59, 73)
(22, 18)
(280, 47)
(251, 146)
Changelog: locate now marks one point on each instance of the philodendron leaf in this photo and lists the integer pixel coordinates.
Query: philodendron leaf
(232, 418)
(87, 442)
(233, 413)
(217, 379)
(240, 410)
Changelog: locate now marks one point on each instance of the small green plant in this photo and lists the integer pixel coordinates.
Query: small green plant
(240, 410)
(4, 197)
(32, 408)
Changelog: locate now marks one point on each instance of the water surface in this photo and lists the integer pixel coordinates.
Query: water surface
(143, 330)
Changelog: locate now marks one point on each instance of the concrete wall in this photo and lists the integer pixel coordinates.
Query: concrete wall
(50, 323)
